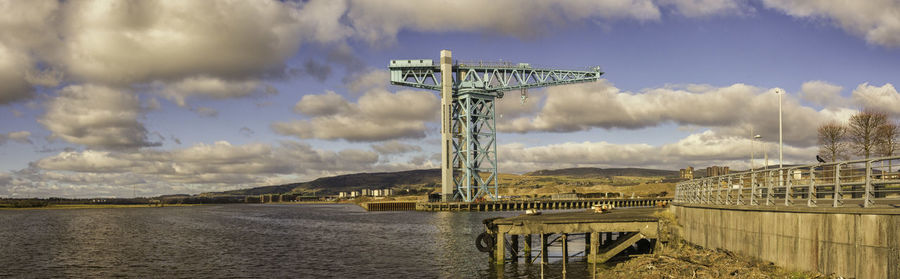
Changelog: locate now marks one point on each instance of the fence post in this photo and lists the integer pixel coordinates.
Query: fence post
(788, 184)
(728, 192)
(753, 187)
(770, 183)
(811, 195)
(868, 196)
(838, 197)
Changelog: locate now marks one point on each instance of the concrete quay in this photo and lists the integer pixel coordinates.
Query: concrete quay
(848, 242)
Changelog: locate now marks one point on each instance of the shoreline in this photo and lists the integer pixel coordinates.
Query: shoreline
(90, 206)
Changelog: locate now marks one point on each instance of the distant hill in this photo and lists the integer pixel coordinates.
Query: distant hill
(599, 172)
(430, 177)
(348, 182)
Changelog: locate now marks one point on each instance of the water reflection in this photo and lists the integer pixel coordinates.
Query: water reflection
(256, 241)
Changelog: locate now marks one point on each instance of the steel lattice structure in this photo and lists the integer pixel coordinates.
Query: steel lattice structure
(468, 126)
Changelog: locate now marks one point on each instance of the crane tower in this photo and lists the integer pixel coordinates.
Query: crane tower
(468, 128)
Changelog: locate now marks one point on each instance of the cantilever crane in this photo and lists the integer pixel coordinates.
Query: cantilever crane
(467, 113)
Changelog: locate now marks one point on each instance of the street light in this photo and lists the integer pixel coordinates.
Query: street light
(780, 92)
(754, 138)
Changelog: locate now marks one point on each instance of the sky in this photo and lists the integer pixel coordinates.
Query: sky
(142, 98)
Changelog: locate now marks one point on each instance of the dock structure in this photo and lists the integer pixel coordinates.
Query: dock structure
(630, 227)
(511, 205)
(389, 206)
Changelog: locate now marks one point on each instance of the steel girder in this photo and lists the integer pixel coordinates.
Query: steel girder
(475, 86)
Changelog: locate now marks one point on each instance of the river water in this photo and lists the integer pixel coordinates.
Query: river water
(253, 240)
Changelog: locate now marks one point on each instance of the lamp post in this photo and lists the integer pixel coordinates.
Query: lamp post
(780, 92)
(752, 139)
(757, 138)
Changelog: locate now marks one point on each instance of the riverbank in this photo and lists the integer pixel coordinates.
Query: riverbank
(89, 206)
(681, 260)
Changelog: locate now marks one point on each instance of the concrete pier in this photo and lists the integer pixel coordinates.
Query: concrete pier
(631, 225)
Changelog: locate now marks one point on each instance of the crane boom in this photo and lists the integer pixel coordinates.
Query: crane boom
(489, 77)
(468, 133)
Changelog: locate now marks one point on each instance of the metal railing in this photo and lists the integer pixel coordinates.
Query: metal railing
(865, 183)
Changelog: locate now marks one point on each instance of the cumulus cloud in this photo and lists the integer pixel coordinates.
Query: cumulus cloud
(18, 136)
(205, 86)
(700, 8)
(882, 98)
(369, 80)
(208, 167)
(395, 147)
(822, 93)
(699, 150)
(874, 20)
(96, 116)
(382, 20)
(376, 116)
(13, 85)
(125, 42)
(731, 110)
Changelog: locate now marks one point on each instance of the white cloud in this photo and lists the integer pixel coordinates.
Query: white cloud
(96, 116)
(700, 8)
(18, 136)
(376, 116)
(201, 167)
(822, 93)
(326, 104)
(13, 85)
(882, 98)
(205, 86)
(699, 150)
(395, 147)
(878, 21)
(378, 21)
(730, 110)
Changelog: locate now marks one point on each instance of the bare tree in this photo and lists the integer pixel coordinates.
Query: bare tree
(888, 136)
(862, 131)
(832, 140)
(886, 145)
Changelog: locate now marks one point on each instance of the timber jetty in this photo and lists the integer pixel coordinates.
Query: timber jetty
(512, 205)
(605, 234)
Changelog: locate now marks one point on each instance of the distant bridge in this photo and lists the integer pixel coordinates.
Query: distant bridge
(840, 217)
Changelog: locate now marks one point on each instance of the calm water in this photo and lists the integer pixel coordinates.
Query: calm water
(331, 241)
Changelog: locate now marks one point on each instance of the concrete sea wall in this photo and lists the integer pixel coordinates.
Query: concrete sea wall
(849, 242)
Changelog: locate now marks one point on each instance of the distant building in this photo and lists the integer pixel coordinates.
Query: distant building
(354, 194)
(716, 171)
(564, 196)
(343, 195)
(687, 173)
(365, 192)
(388, 192)
(377, 193)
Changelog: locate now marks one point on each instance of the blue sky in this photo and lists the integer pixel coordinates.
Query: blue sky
(98, 97)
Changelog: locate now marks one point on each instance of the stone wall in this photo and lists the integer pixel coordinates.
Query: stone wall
(849, 242)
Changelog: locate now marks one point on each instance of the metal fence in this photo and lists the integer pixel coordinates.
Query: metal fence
(865, 183)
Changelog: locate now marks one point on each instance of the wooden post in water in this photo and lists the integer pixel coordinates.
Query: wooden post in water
(544, 259)
(515, 247)
(565, 252)
(587, 244)
(594, 247)
(528, 248)
(501, 248)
